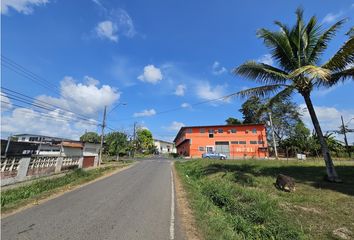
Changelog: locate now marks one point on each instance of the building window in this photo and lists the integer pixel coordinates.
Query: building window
(202, 130)
(211, 130)
(234, 142)
(23, 138)
(254, 130)
(189, 130)
(260, 142)
(247, 131)
(233, 130)
(241, 142)
(211, 135)
(253, 142)
(220, 130)
(201, 149)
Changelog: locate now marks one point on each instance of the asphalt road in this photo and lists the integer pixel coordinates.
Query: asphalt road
(132, 204)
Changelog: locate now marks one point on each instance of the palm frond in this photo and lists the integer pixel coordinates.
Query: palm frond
(311, 72)
(262, 73)
(280, 47)
(280, 96)
(323, 40)
(339, 76)
(262, 92)
(343, 58)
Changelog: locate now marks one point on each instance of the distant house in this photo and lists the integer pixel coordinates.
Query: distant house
(235, 141)
(35, 138)
(164, 146)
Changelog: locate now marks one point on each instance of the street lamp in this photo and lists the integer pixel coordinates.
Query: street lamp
(120, 103)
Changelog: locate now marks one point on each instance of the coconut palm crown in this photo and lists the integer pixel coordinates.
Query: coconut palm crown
(297, 52)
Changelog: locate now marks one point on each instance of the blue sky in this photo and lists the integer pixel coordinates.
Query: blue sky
(153, 55)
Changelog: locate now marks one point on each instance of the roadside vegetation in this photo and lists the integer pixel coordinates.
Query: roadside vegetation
(40, 189)
(238, 199)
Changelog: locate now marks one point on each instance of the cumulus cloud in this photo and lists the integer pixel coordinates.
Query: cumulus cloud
(266, 59)
(329, 118)
(145, 113)
(217, 69)
(206, 91)
(53, 123)
(5, 102)
(151, 74)
(175, 126)
(107, 29)
(332, 17)
(86, 98)
(180, 90)
(118, 22)
(21, 6)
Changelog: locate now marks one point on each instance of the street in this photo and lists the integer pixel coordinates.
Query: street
(137, 203)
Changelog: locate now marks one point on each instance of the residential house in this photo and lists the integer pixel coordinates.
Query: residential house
(164, 146)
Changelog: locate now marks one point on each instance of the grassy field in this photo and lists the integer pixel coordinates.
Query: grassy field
(14, 198)
(237, 199)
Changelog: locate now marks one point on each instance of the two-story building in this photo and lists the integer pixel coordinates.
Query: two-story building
(235, 141)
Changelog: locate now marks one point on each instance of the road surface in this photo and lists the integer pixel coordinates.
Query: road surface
(133, 204)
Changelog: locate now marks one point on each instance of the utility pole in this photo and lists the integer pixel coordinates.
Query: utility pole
(7, 145)
(102, 134)
(273, 135)
(345, 137)
(134, 138)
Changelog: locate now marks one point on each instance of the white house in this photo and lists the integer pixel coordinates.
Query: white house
(164, 146)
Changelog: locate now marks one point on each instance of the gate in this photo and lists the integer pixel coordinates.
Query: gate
(223, 147)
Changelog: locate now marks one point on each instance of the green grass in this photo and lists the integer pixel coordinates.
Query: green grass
(237, 199)
(19, 196)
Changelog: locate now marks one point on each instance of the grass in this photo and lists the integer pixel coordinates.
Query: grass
(14, 198)
(237, 199)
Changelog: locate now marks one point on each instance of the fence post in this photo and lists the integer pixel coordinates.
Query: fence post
(23, 168)
(58, 164)
(81, 161)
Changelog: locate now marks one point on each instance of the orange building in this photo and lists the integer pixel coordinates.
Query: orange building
(235, 141)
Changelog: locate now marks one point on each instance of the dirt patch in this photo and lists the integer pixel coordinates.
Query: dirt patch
(58, 192)
(184, 211)
(343, 233)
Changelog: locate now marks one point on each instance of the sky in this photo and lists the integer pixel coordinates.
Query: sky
(156, 63)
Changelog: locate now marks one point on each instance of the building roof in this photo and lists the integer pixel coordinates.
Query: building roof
(163, 141)
(37, 135)
(216, 126)
(72, 144)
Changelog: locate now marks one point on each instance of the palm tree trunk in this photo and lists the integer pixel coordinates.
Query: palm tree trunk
(331, 172)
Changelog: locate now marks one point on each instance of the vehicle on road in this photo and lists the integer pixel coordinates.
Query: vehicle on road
(214, 155)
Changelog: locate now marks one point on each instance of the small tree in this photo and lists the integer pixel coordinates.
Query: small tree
(117, 143)
(91, 137)
(232, 121)
(144, 140)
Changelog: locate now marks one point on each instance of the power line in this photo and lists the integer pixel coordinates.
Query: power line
(15, 93)
(46, 115)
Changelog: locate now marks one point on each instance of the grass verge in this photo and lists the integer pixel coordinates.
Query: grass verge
(237, 199)
(14, 198)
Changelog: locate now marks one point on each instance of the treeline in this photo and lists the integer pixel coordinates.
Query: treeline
(121, 144)
(291, 134)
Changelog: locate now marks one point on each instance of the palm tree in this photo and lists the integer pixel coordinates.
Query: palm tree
(297, 52)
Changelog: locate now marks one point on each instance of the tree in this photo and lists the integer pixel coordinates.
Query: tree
(144, 140)
(297, 52)
(117, 143)
(91, 137)
(251, 110)
(232, 121)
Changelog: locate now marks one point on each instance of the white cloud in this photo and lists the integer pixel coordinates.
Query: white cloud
(21, 6)
(207, 92)
(145, 113)
(175, 126)
(151, 74)
(186, 105)
(217, 69)
(329, 118)
(5, 102)
(266, 59)
(107, 29)
(84, 98)
(118, 22)
(332, 17)
(180, 90)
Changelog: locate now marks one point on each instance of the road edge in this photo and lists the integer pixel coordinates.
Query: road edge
(62, 191)
(187, 219)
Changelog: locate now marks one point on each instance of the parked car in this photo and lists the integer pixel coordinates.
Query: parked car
(214, 155)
